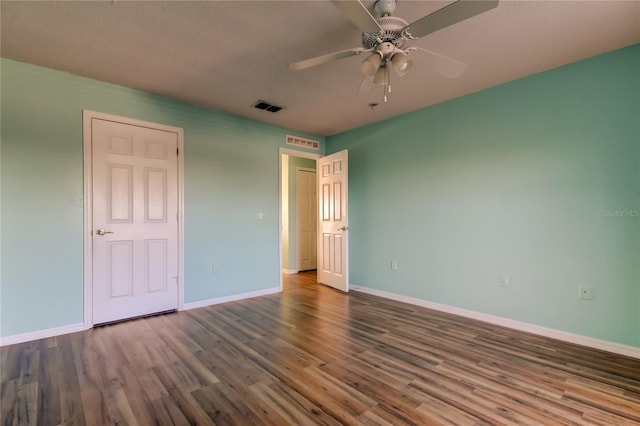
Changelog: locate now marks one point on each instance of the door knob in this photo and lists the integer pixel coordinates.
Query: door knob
(343, 228)
(103, 232)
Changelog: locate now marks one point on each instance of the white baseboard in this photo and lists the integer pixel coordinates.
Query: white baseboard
(73, 328)
(617, 348)
(41, 334)
(591, 342)
(232, 298)
(289, 271)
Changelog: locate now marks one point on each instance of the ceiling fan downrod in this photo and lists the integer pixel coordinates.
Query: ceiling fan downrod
(384, 7)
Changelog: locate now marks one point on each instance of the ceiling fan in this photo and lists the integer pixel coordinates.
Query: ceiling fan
(386, 36)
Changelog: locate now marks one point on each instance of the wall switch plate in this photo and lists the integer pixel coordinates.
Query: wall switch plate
(215, 268)
(586, 292)
(505, 281)
(394, 265)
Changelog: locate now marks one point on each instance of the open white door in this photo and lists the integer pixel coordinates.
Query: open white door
(333, 240)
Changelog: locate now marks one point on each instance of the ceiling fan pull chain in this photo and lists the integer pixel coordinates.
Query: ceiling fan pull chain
(387, 88)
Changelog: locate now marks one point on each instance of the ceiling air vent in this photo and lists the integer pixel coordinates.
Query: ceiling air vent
(305, 143)
(267, 106)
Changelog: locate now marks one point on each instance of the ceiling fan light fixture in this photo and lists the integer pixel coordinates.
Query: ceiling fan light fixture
(381, 77)
(401, 64)
(371, 64)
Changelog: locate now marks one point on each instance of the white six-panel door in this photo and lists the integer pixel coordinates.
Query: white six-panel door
(333, 218)
(135, 220)
(306, 208)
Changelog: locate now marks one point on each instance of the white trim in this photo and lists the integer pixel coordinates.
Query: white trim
(74, 328)
(301, 154)
(291, 153)
(87, 116)
(617, 348)
(289, 271)
(41, 334)
(232, 298)
(88, 218)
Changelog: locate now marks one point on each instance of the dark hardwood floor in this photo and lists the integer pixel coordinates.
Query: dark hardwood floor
(300, 280)
(311, 355)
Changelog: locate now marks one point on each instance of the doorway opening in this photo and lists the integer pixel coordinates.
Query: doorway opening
(298, 217)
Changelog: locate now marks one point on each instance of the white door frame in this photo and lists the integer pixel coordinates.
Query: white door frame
(291, 153)
(87, 116)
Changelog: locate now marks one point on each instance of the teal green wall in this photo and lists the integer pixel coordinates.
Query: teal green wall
(231, 174)
(538, 178)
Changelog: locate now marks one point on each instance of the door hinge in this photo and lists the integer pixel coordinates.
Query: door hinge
(177, 151)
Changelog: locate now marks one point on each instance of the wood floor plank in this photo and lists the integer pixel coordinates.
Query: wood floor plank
(27, 403)
(369, 418)
(288, 356)
(619, 405)
(224, 405)
(534, 402)
(441, 413)
(394, 405)
(8, 402)
(48, 392)
(294, 398)
(71, 406)
(233, 367)
(459, 396)
(89, 364)
(10, 357)
(137, 397)
(312, 355)
(288, 409)
(203, 375)
(190, 408)
(168, 412)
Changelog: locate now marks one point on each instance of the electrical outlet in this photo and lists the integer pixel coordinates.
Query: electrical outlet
(394, 265)
(586, 293)
(215, 268)
(505, 281)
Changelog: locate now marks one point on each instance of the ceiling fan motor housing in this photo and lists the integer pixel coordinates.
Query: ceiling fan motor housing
(392, 33)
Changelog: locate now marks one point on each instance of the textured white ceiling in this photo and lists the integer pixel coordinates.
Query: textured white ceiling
(228, 54)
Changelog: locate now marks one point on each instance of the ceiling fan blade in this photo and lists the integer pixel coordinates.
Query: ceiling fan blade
(319, 60)
(443, 65)
(366, 86)
(449, 15)
(355, 11)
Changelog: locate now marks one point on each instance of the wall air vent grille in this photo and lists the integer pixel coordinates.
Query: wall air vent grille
(305, 143)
